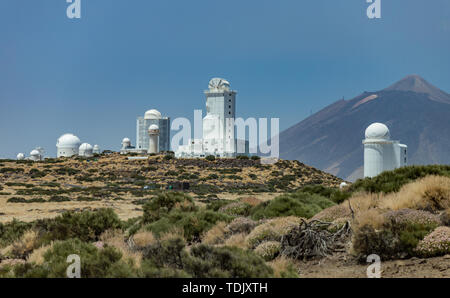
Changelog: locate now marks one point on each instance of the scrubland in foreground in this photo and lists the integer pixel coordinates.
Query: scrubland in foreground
(405, 220)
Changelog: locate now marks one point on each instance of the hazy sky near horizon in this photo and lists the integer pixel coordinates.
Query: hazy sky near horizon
(286, 58)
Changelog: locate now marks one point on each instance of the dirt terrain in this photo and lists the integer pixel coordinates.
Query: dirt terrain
(343, 266)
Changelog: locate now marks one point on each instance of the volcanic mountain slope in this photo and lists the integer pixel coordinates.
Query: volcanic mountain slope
(416, 112)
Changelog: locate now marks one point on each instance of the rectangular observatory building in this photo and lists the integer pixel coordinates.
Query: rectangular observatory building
(143, 123)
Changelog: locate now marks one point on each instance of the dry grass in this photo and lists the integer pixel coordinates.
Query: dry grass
(431, 193)
(237, 240)
(215, 235)
(26, 244)
(37, 256)
(252, 201)
(272, 229)
(280, 265)
(144, 239)
(372, 217)
(116, 238)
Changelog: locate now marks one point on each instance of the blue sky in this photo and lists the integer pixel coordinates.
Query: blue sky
(286, 58)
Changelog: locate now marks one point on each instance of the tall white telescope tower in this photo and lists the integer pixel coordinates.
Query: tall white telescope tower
(153, 133)
(380, 152)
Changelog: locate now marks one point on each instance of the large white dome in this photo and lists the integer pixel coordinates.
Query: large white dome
(68, 141)
(378, 131)
(152, 115)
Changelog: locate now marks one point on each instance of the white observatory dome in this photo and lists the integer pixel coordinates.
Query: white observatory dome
(378, 131)
(86, 150)
(20, 156)
(126, 140)
(219, 84)
(68, 145)
(35, 155)
(68, 141)
(153, 127)
(86, 146)
(343, 185)
(152, 115)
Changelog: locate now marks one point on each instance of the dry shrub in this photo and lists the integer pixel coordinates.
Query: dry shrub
(252, 201)
(372, 218)
(333, 213)
(272, 230)
(37, 256)
(26, 244)
(431, 193)
(283, 268)
(237, 240)
(174, 233)
(143, 239)
(116, 238)
(436, 243)
(268, 250)
(241, 225)
(413, 216)
(215, 235)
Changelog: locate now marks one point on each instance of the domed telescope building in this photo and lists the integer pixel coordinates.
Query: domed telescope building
(152, 117)
(68, 145)
(380, 152)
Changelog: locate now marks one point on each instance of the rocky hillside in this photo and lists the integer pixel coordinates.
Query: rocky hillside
(35, 190)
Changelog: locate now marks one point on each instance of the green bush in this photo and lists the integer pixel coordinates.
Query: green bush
(210, 158)
(86, 225)
(393, 240)
(255, 157)
(105, 263)
(12, 231)
(243, 157)
(194, 224)
(392, 181)
(225, 262)
(164, 203)
(298, 204)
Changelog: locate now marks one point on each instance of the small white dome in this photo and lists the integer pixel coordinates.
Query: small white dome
(20, 156)
(126, 140)
(68, 141)
(343, 185)
(152, 115)
(34, 153)
(153, 127)
(378, 131)
(86, 146)
(96, 147)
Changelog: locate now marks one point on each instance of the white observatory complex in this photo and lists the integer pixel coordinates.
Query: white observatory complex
(152, 117)
(86, 150)
(380, 152)
(153, 134)
(68, 145)
(218, 125)
(20, 156)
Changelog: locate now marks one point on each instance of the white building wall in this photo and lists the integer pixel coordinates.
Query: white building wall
(67, 152)
(373, 159)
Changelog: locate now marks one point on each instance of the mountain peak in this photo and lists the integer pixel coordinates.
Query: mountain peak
(415, 83)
